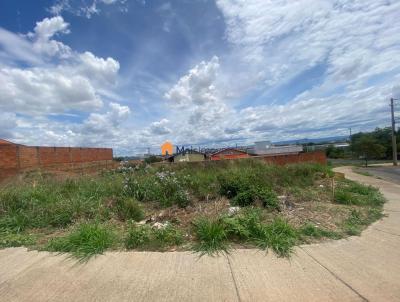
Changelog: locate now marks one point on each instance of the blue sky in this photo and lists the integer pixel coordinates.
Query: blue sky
(130, 74)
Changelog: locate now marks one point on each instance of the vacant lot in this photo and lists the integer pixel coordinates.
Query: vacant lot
(205, 207)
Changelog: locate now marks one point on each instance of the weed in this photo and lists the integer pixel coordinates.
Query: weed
(8, 239)
(311, 230)
(87, 240)
(168, 236)
(353, 224)
(211, 236)
(268, 198)
(137, 236)
(352, 193)
(279, 235)
(129, 209)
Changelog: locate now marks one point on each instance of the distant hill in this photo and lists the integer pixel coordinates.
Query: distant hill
(325, 140)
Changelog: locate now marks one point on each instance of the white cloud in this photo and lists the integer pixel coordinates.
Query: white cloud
(84, 8)
(102, 70)
(160, 127)
(75, 83)
(43, 33)
(197, 87)
(14, 47)
(43, 91)
(107, 123)
(279, 39)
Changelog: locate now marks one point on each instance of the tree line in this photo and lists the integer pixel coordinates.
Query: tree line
(367, 145)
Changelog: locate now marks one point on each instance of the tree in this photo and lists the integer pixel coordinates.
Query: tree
(152, 159)
(334, 152)
(368, 147)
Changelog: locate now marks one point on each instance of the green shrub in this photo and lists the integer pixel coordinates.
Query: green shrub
(87, 240)
(137, 236)
(234, 182)
(211, 236)
(129, 209)
(168, 236)
(244, 199)
(268, 198)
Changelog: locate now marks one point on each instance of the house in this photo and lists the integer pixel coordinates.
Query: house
(267, 148)
(187, 155)
(167, 149)
(229, 153)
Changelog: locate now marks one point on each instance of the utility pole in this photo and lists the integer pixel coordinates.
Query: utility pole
(394, 143)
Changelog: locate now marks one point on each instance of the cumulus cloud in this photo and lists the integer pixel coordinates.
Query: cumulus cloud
(102, 70)
(43, 33)
(197, 87)
(74, 83)
(107, 123)
(55, 84)
(42, 91)
(160, 127)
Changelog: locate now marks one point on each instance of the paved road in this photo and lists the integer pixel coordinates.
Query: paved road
(388, 173)
(365, 268)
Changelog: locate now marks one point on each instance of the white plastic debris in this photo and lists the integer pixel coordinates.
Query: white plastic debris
(321, 186)
(233, 210)
(159, 225)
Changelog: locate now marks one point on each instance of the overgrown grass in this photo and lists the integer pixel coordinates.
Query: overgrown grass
(143, 236)
(87, 240)
(9, 239)
(310, 230)
(213, 234)
(352, 193)
(357, 220)
(111, 204)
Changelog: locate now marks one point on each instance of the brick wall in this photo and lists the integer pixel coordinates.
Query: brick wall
(283, 159)
(16, 158)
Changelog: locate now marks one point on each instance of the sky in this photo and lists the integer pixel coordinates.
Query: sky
(130, 74)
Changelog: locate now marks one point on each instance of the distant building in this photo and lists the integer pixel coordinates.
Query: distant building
(267, 148)
(187, 156)
(167, 149)
(229, 153)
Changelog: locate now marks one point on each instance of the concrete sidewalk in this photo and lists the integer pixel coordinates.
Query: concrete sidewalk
(359, 268)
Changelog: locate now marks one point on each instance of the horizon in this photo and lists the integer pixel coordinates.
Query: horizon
(132, 74)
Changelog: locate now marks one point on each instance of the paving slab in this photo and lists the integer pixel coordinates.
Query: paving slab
(264, 277)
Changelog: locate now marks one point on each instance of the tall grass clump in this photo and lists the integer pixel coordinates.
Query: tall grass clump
(211, 235)
(87, 240)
